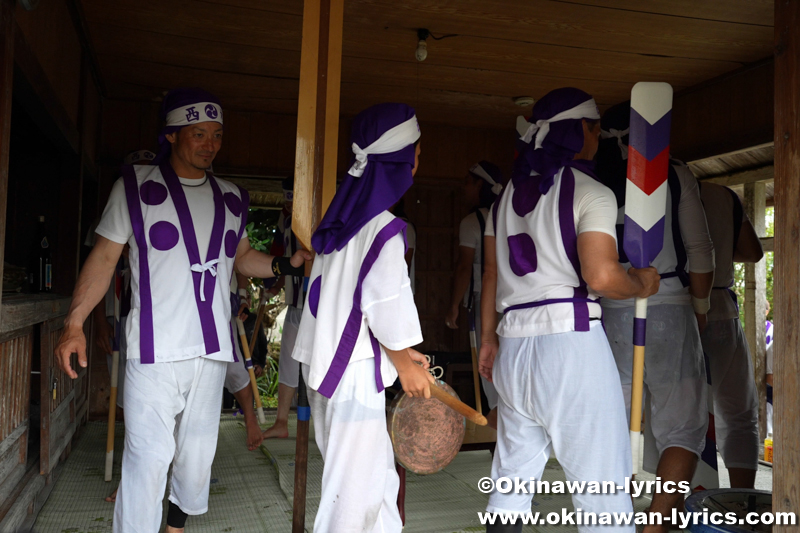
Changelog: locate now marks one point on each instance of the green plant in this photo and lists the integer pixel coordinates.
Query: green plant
(769, 257)
(268, 382)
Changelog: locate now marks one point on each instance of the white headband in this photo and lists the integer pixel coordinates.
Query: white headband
(540, 128)
(478, 170)
(392, 140)
(619, 134)
(194, 113)
(136, 157)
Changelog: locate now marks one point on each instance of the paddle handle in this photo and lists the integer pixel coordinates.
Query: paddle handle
(457, 405)
(637, 383)
(248, 363)
(473, 343)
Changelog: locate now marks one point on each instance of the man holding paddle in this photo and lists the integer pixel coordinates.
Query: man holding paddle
(550, 253)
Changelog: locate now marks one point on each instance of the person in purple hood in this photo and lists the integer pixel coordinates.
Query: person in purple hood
(550, 253)
(359, 324)
(185, 229)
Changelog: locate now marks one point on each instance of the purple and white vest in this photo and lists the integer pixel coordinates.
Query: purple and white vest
(181, 305)
(540, 290)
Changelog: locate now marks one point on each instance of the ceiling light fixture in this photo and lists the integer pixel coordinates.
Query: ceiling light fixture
(422, 45)
(524, 101)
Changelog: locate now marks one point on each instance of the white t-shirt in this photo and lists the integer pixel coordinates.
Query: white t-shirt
(116, 222)
(470, 236)
(594, 208)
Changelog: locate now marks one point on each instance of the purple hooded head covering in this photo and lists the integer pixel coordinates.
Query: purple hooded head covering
(383, 141)
(182, 107)
(550, 141)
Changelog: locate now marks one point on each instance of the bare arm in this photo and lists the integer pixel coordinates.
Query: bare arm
(489, 341)
(409, 258)
(90, 289)
(466, 256)
(415, 379)
(254, 264)
(602, 271)
(748, 247)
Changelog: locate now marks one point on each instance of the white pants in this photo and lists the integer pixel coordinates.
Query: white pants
(359, 480)
(236, 376)
(488, 386)
(123, 350)
(172, 418)
(674, 376)
(288, 368)
(561, 391)
(734, 392)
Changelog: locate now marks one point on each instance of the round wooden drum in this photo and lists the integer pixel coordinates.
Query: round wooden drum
(426, 434)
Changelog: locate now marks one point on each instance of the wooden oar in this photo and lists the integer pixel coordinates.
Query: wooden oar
(645, 211)
(473, 343)
(262, 308)
(248, 363)
(301, 457)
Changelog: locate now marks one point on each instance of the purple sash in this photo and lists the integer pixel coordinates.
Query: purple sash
(570, 239)
(353, 325)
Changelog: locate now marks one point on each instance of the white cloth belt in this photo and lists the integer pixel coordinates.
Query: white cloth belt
(194, 114)
(392, 140)
(619, 134)
(541, 128)
(478, 170)
(210, 266)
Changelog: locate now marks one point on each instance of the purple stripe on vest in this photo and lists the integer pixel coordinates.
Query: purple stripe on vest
(204, 308)
(245, 206)
(566, 220)
(353, 325)
(376, 351)
(639, 331)
(540, 303)
(147, 351)
(233, 345)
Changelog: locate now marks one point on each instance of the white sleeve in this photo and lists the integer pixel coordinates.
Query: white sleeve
(693, 224)
(490, 221)
(469, 231)
(115, 224)
(594, 207)
(387, 301)
(769, 358)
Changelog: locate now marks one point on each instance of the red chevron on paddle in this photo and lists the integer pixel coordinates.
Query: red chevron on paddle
(647, 175)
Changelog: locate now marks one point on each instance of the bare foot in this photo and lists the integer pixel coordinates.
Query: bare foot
(254, 436)
(491, 418)
(111, 498)
(170, 529)
(279, 430)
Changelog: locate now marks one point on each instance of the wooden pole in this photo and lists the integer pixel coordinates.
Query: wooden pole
(317, 115)
(755, 299)
(786, 474)
(7, 25)
(315, 169)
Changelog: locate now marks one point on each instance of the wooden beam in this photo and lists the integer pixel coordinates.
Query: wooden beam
(758, 175)
(317, 114)
(768, 243)
(7, 26)
(785, 494)
(755, 299)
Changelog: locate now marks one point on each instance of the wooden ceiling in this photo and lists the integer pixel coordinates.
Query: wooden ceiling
(248, 51)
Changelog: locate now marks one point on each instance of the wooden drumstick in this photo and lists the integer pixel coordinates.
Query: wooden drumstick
(262, 307)
(248, 363)
(457, 405)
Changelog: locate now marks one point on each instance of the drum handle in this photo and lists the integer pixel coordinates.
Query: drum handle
(458, 406)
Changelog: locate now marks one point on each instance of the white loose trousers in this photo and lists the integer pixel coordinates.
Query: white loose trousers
(561, 391)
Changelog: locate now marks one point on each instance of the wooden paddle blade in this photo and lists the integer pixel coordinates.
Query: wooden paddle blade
(457, 405)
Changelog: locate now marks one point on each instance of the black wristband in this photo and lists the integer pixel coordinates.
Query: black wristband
(282, 266)
(176, 517)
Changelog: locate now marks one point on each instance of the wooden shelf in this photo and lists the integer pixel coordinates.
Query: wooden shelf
(22, 310)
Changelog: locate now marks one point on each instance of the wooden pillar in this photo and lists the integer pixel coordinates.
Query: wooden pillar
(755, 299)
(7, 25)
(317, 115)
(786, 474)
